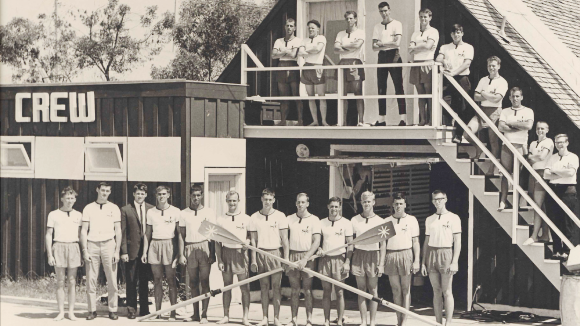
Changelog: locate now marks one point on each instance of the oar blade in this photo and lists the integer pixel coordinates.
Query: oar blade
(379, 233)
(218, 233)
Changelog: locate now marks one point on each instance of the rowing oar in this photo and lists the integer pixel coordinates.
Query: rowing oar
(368, 237)
(220, 234)
(209, 294)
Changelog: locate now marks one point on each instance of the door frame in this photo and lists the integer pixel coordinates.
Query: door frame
(239, 179)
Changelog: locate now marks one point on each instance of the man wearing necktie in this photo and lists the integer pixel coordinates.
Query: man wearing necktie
(133, 225)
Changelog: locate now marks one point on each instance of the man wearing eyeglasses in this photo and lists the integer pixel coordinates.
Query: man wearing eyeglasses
(441, 255)
(561, 171)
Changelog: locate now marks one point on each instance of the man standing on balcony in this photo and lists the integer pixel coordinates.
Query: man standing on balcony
(101, 242)
(386, 39)
(269, 232)
(422, 47)
(349, 45)
(304, 241)
(561, 171)
(286, 49)
(133, 226)
(490, 91)
(456, 58)
(314, 80)
(514, 122)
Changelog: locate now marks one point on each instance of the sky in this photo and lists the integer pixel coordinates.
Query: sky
(30, 9)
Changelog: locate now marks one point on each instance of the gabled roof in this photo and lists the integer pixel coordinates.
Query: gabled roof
(563, 19)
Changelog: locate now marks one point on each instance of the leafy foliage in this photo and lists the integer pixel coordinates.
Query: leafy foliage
(208, 35)
(109, 46)
(16, 40)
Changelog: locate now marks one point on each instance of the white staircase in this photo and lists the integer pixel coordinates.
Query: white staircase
(476, 183)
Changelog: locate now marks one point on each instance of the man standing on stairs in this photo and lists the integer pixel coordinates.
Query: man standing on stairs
(514, 122)
(490, 91)
(456, 58)
(561, 171)
(441, 255)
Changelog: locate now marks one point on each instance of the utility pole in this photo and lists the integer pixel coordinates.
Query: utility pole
(56, 39)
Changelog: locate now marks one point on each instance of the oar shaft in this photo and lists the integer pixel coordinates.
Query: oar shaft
(209, 294)
(348, 287)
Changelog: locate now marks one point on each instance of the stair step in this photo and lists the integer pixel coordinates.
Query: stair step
(477, 177)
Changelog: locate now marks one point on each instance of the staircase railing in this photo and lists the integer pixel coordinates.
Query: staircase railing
(518, 158)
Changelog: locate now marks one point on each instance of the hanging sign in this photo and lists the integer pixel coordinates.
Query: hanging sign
(81, 107)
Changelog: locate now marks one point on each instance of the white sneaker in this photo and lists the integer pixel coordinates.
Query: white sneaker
(528, 242)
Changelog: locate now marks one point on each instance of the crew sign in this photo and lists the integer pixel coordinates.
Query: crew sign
(81, 107)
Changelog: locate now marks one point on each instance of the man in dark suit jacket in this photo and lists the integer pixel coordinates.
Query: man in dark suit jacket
(133, 223)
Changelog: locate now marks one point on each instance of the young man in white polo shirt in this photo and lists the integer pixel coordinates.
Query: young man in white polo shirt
(422, 46)
(314, 80)
(286, 50)
(514, 122)
(269, 232)
(304, 241)
(160, 241)
(456, 58)
(101, 242)
(490, 92)
(232, 259)
(403, 254)
(368, 260)
(349, 45)
(64, 254)
(387, 39)
(195, 250)
(441, 255)
(561, 170)
(336, 231)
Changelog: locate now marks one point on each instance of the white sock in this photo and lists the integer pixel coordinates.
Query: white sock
(404, 117)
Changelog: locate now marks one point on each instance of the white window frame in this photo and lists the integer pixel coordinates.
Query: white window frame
(239, 177)
(18, 142)
(108, 174)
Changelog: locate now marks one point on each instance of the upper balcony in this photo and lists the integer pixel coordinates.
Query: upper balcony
(266, 122)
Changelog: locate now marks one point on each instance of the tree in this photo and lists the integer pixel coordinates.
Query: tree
(59, 58)
(208, 35)
(17, 38)
(108, 45)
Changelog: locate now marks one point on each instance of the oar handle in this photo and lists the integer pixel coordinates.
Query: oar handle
(209, 294)
(348, 287)
(331, 250)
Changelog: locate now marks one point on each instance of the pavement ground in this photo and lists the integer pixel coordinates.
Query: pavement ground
(24, 312)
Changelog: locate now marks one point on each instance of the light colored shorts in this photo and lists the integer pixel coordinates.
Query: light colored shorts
(399, 262)
(235, 260)
(197, 254)
(296, 256)
(66, 254)
(492, 112)
(265, 263)
(418, 76)
(160, 252)
(439, 259)
(365, 262)
(332, 266)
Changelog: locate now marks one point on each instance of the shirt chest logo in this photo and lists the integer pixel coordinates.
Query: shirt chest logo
(241, 226)
(274, 225)
(446, 225)
(306, 230)
(339, 232)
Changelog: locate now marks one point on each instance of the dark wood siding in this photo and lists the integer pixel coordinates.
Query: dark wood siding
(131, 109)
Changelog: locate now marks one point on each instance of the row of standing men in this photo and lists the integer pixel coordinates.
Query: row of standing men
(159, 237)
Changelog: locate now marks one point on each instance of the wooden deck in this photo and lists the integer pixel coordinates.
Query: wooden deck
(318, 132)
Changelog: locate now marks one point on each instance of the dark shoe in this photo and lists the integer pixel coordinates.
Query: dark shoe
(380, 124)
(144, 313)
(402, 123)
(92, 315)
(131, 315)
(113, 316)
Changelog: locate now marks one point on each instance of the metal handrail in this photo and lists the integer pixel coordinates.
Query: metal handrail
(518, 156)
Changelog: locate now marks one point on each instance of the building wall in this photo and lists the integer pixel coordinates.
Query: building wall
(151, 109)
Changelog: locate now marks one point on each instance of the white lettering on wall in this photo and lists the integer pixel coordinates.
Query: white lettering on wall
(81, 107)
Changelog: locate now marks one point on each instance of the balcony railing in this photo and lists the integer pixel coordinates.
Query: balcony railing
(435, 96)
